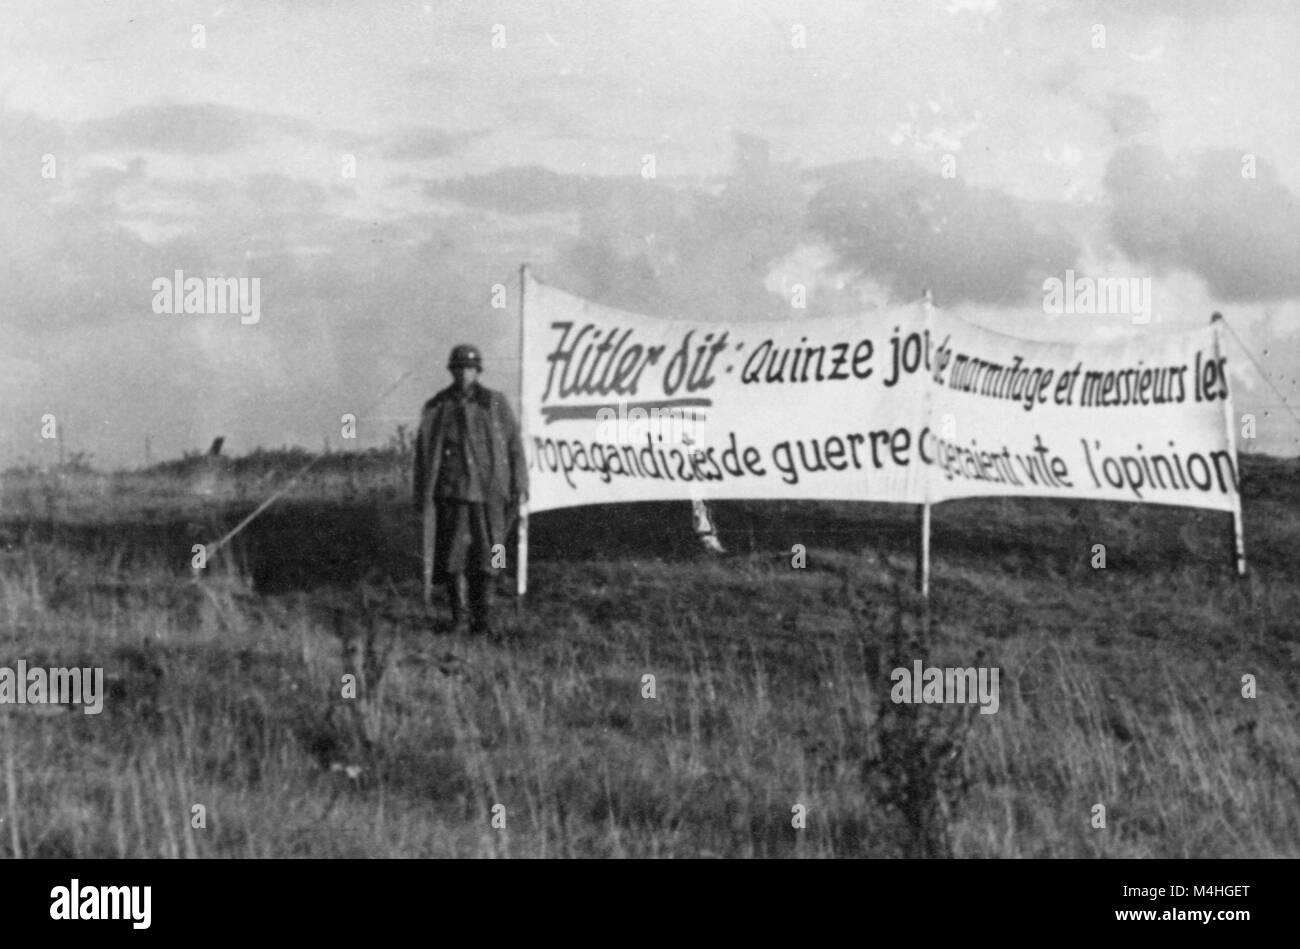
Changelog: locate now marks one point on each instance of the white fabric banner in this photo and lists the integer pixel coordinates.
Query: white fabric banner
(903, 405)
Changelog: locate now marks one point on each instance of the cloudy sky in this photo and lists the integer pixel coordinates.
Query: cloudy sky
(380, 166)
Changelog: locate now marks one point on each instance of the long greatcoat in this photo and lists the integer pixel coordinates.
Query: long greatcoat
(492, 437)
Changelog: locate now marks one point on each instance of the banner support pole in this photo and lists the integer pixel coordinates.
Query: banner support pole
(923, 553)
(521, 554)
(1238, 548)
(923, 539)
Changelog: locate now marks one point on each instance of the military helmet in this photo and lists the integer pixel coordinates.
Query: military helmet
(465, 356)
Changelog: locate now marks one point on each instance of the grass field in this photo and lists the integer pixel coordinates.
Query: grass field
(1120, 687)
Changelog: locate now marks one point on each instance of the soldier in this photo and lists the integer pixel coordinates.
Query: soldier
(470, 477)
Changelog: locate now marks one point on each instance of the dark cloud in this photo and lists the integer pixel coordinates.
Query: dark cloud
(660, 248)
(420, 143)
(911, 230)
(1129, 115)
(195, 129)
(212, 129)
(655, 246)
(80, 259)
(347, 306)
(1203, 216)
(528, 190)
(691, 252)
(545, 114)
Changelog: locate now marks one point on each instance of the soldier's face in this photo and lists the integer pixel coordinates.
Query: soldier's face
(464, 376)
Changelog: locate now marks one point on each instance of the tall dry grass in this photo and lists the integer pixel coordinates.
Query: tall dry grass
(771, 692)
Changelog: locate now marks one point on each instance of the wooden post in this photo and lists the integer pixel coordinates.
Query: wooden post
(923, 553)
(1237, 548)
(11, 789)
(521, 554)
(923, 539)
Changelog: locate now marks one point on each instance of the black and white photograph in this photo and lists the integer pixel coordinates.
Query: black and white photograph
(742, 430)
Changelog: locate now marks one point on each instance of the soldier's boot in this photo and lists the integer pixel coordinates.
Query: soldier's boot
(480, 598)
(460, 604)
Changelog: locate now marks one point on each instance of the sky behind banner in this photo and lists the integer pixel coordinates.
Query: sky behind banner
(382, 169)
(910, 404)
